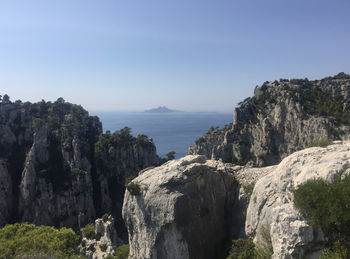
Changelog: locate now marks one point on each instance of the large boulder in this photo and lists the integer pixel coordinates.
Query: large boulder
(180, 209)
(271, 203)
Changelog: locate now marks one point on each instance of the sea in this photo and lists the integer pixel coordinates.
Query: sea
(170, 131)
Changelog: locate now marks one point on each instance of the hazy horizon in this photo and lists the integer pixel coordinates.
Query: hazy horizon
(188, 55)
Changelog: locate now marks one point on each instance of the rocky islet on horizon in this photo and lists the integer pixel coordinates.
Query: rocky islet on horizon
(161, 109)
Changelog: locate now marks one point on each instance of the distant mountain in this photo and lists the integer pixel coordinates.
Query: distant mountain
(161, 109)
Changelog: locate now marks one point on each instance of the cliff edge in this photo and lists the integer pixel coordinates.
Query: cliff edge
(282, 117)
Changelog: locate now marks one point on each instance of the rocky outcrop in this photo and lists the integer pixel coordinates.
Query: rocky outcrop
(271, 203)
(209, 144)
(57, 168)
(187, 208)
(67, 202)
(281, 118)
(119, 156)
(105, 242)
(181, 209)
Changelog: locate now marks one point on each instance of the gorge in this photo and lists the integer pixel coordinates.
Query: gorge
(58, 168)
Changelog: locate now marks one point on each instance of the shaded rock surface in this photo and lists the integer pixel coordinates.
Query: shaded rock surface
(57, 168)
(5, 193)
(281, 118)
(271, 203)
(183, 209)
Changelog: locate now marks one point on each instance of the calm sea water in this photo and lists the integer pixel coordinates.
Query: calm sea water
(170, 131)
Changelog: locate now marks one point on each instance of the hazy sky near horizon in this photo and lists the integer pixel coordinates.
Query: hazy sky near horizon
(185, 54)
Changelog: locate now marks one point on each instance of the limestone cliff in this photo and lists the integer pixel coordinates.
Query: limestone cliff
(181, 209)
(271, 203)
(281, 118)
(57, 168)
(188, 208)
(119, 156)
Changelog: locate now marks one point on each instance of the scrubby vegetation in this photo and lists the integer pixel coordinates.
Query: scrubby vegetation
(89, 232)
(327, 205)
(121, 137)
(170, 155)
(246, 249)
(129, 179)
(105, 217)
(314, 99)
(242, 249)
(103, 247)
(249, 190)
(77, 171)
(264, 249)
(133, 188)
(320, 103)
(23, 240)
(121, 252)
(322, 142)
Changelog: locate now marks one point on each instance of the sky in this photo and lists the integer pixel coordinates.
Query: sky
(184, 54)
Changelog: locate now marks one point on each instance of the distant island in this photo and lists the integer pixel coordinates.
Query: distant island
(161, 109)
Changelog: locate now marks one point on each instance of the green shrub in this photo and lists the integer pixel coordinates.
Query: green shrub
(264, 250)
(91, 248)
(338, 251)
(249, 190)
(326, 205)
(89, 232)
(170, 155)
(37, 123)
(28, 240)
(142, 140)
(246, 249)
(77, 171)
(322, 142)
(242, 249)
(133, 188)
(105, 217)
(122, 252)
(129, 179)
(103, 247)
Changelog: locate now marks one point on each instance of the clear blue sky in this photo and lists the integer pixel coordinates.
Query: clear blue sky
(185, 54)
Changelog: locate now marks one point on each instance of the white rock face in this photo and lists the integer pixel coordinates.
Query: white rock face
(98, 249)
(181, 211)
(271, 203)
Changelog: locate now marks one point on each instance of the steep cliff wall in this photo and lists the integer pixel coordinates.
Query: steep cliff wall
(57, 168)
(119, 156)
(281, 118)
(187, 208)
(181, 210)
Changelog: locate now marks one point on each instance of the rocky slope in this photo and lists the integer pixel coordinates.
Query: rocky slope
(181, 209)
(281, 118)
(271, 203)
(57, 168)
(188, 208)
